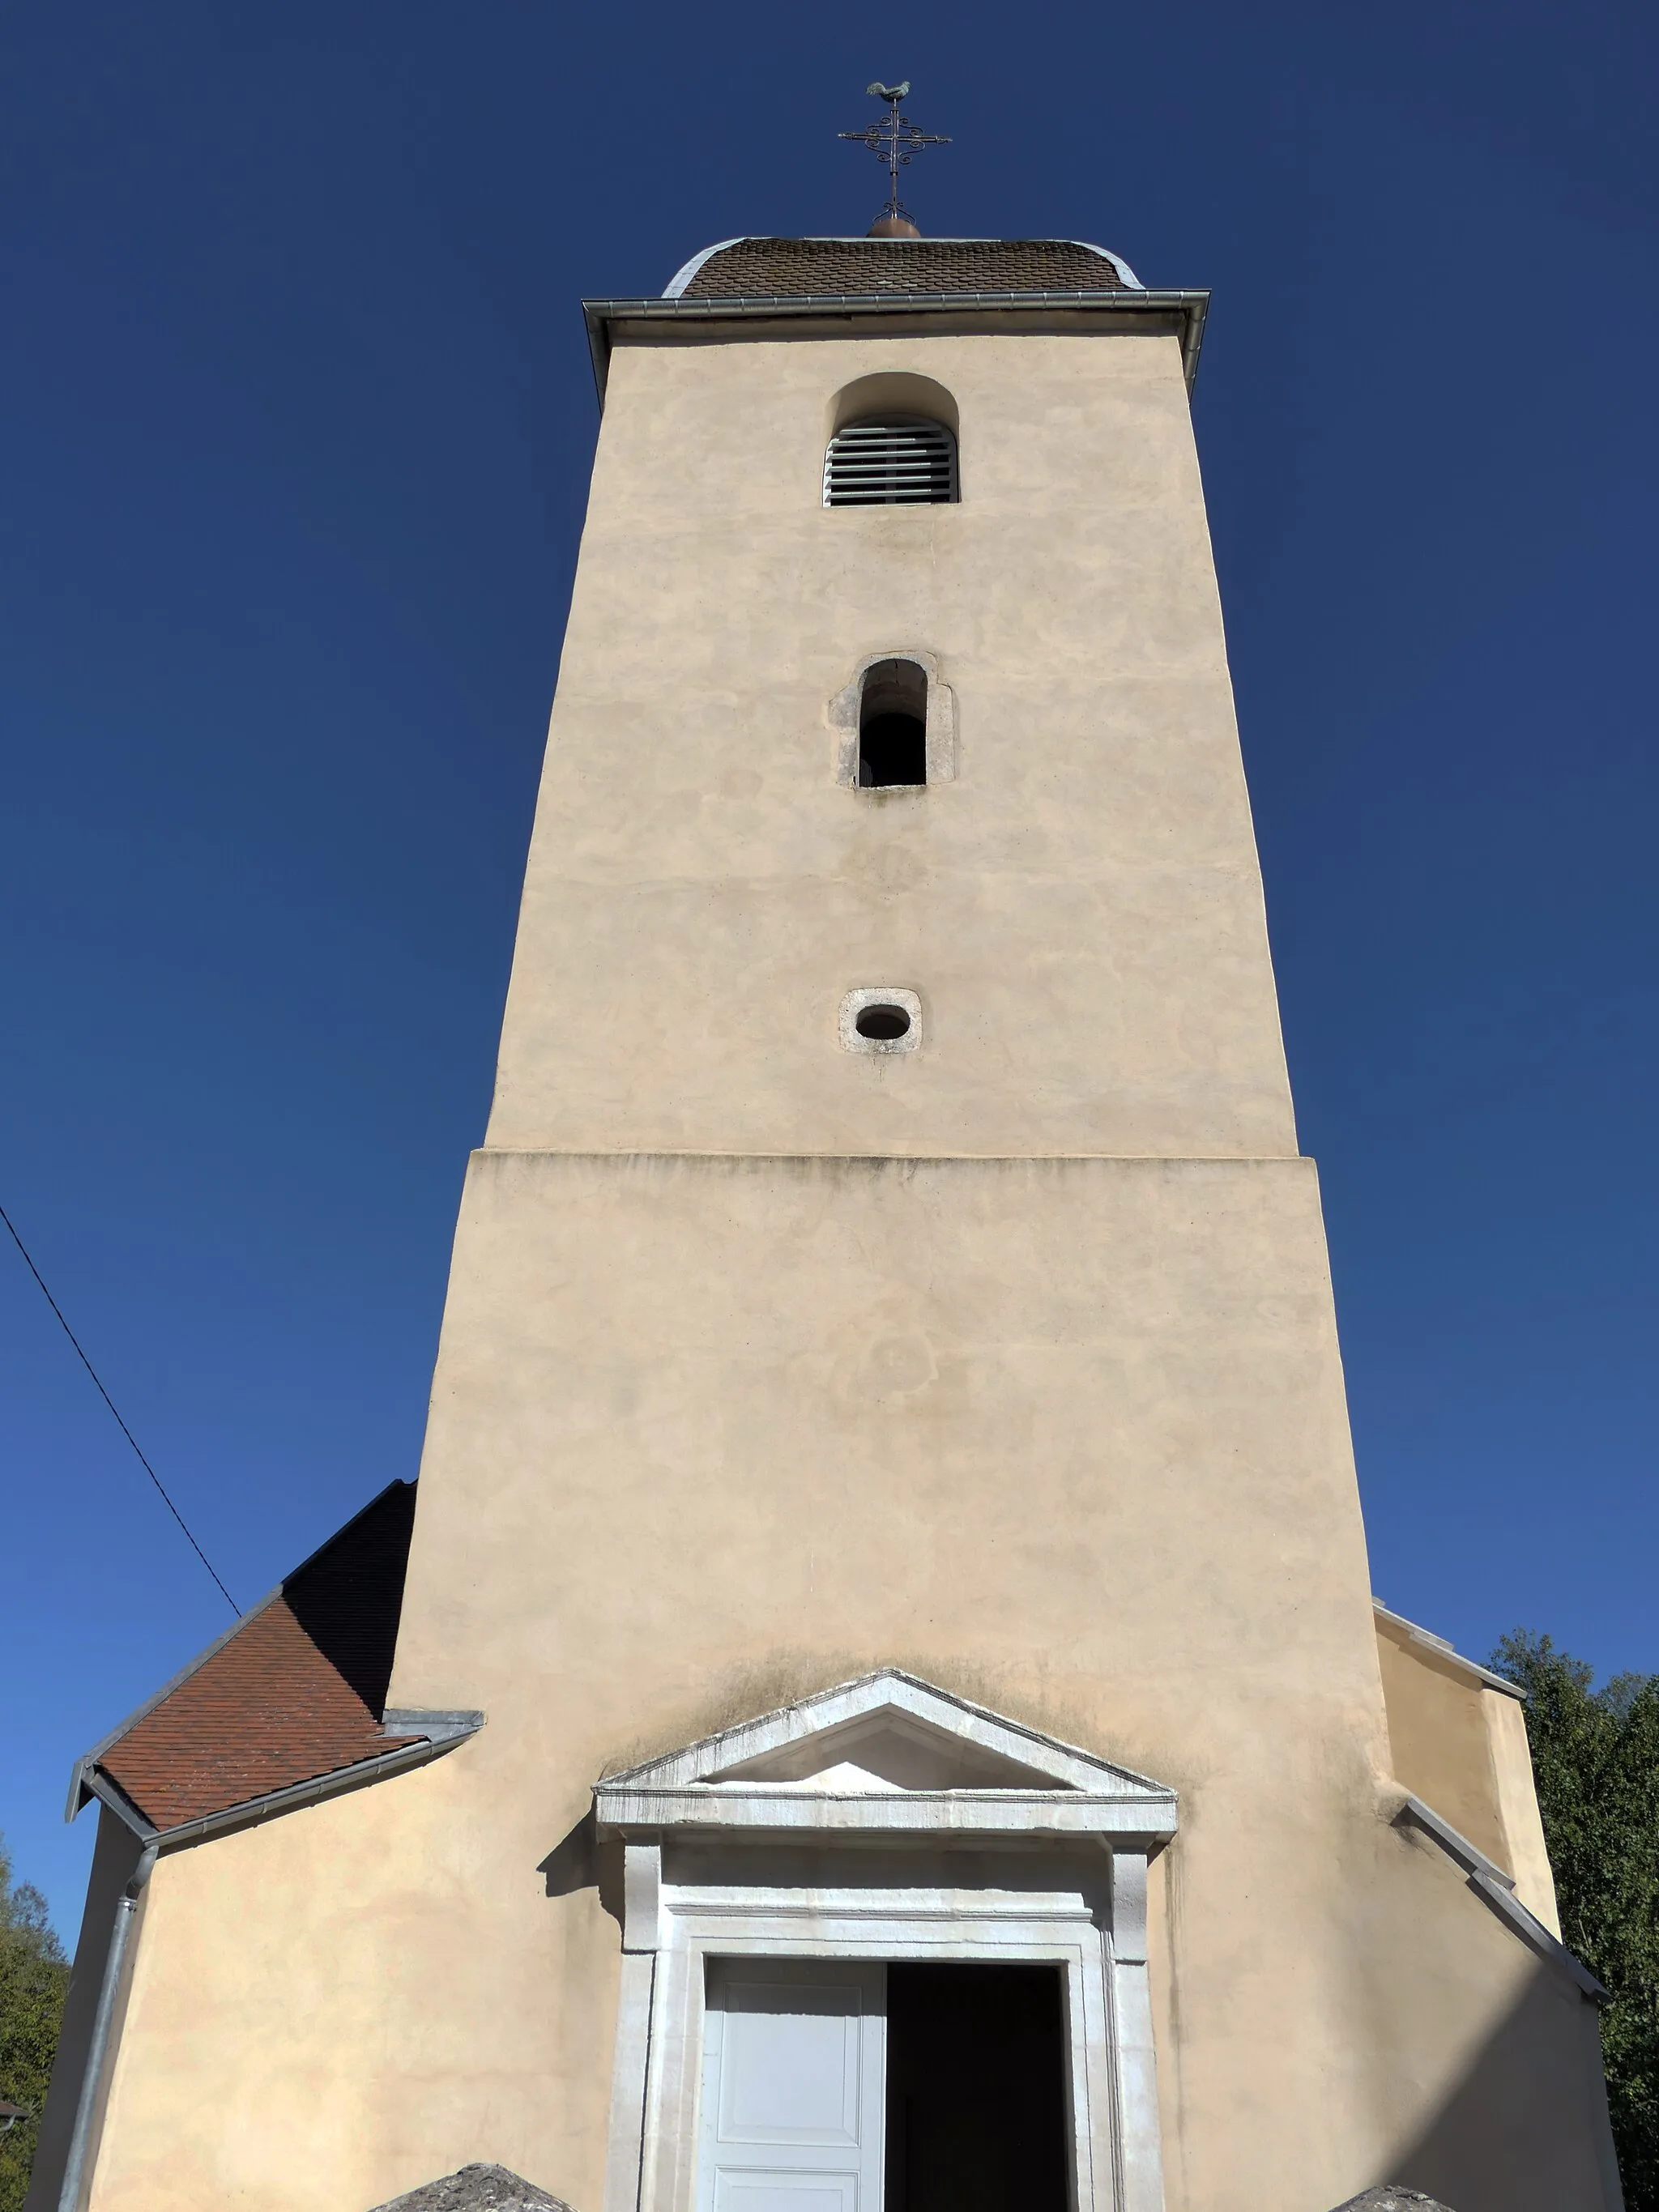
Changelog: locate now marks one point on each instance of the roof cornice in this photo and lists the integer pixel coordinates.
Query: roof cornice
(1182, 312)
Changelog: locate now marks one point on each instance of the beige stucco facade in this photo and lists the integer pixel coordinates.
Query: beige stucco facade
(1011, 1361)
(1080, 906)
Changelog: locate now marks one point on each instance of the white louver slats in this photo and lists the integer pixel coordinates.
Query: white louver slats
(903, 460)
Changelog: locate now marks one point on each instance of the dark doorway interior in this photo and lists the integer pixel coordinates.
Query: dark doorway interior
(976, 2107)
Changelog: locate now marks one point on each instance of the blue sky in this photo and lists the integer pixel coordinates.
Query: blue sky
(297, 422)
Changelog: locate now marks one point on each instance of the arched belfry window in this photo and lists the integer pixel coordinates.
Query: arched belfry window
(892, 442)
(893, 724)
(891, 460)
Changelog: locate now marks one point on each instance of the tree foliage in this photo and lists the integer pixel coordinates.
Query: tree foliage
(1595, 1754)
(34, 1976)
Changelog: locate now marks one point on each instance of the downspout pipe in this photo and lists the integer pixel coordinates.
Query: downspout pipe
(71, 2195)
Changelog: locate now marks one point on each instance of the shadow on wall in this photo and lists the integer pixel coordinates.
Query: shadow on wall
(572, 1862)
(1522, 2129)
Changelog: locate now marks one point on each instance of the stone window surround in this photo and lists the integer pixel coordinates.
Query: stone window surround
(852, 1005)
(941, 727)
(1093, 1930)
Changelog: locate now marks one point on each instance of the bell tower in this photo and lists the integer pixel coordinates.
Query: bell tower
(888, 1490)
(808, 536)
(890, 1248)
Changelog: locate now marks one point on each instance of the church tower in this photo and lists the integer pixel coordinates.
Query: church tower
(887, 1708)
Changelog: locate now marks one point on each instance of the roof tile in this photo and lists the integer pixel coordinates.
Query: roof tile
(786, 268)
(296, 1692)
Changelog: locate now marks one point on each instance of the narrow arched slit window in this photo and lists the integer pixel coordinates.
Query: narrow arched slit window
(893, 724)
(891, 460)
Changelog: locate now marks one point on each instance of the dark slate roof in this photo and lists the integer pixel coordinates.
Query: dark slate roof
(787, 267)
(297, 1690)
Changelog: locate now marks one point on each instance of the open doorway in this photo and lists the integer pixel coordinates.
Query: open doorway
(834, 2085)
(976, 2109)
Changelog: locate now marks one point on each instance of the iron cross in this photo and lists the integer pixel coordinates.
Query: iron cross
(894, 140)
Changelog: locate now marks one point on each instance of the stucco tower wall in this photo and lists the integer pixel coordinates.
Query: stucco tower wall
(1066, 1436)
(1081, 909)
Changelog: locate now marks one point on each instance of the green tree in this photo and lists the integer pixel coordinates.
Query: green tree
(1595, 1754)
(34, 1976)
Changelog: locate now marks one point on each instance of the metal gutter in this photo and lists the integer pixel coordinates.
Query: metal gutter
(70, 2195)
(99, 1788)
(440, 1732)
(1192, 308)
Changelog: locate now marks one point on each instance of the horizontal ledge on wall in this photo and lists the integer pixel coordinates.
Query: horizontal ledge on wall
(1180, 314)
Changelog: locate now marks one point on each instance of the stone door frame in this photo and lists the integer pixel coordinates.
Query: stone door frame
(712, 1865)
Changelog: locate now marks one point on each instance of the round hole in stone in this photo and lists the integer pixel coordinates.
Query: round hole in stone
(882, 1024)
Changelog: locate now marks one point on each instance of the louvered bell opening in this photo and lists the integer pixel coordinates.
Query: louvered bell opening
(901, 461)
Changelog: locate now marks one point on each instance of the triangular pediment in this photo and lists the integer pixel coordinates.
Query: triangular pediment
(887, 1741)
(887, 1748)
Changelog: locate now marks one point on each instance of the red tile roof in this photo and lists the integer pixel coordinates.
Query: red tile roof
(297, 1690)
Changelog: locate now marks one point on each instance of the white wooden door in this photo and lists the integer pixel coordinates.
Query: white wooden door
(793, 2102)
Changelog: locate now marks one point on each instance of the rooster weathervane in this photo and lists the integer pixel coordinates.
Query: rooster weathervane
(894, 142)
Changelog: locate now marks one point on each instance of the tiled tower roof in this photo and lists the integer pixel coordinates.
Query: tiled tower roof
(787, 267)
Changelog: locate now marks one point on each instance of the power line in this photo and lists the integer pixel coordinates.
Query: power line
(110, 1402)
